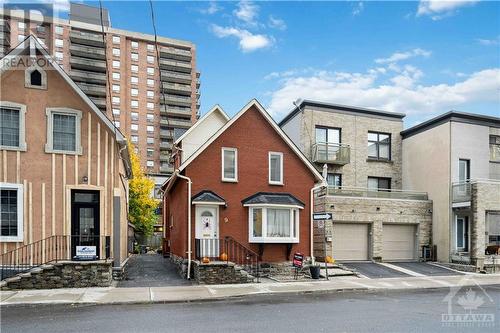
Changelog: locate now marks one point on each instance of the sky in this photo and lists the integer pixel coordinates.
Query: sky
(421, 58)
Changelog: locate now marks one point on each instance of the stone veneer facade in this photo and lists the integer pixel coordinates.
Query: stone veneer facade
(364, 210)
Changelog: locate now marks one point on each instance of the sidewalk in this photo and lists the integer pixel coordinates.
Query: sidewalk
(114, 295)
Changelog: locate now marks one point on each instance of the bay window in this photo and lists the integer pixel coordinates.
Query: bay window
(273, 224)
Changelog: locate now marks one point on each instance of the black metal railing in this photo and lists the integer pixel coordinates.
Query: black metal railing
(50, 250)
(229, 250)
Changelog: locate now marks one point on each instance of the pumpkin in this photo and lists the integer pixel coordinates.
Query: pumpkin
(205, 260)
(223, 257)
(329, 260)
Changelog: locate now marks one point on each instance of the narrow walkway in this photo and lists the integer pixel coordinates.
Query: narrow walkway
(151, 270)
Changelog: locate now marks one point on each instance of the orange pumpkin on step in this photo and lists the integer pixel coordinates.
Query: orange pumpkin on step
(205, 260)
(223, 257)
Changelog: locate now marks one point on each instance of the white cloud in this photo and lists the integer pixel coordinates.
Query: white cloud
(438, 9)
(247, 11)
(277, 23)
(57, 5)
(248, 41)
(401, 92)
(358, 8)
(398, 56)
(212, 8)
(489, 42)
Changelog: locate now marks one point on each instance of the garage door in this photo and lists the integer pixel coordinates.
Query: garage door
(398, 242)
(350, 241)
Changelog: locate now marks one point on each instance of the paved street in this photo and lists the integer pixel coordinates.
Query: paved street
(414, 311)
(151, 270)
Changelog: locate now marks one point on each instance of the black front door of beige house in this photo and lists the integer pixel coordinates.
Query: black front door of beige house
(85, 224)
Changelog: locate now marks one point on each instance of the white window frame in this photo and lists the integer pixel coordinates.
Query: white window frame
(134, 127)
(150, 71)
(21, 25)
(116, 52)
(150, 94)
(116, 39)
(59, 55)
(151, 48)
(115, 88)
(134, 68)
(134, 44)
(150, 163)
(274, 182)
(20, 212)
(235, 179)
(59, 42)
(150, 82)
(134, 78)
(150, 129)
(116, 76)
(134, 104)
(22, 125)
(116, 64)
(266, 239)
(59, 30)
(50, 121)
(115, 100)
(150, 59)
(134, 56)
(150, 105)
(134, 92)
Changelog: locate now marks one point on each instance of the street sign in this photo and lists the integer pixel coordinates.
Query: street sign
(322, 216)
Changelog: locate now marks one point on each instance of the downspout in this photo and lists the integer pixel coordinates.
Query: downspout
(189, 182)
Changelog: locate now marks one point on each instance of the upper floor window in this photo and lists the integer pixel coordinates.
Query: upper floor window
(150, 129)
(275, 168)
(150, 59)
(495, 148)
(379, 184)
(12, 131)
(151, 47)
(134, 115)
(21, 25)
(116, 39)
(150, 152)
(35, 77)
(116, 64)
(59, 42)
(134, 68)
(20, 38)
(116, 52)
(379, 146)
(11, 206)
(134, 45)
(134, 56)
(334, 180)
(151, 71)
(150, 105)
(150, 117)
(327, 134)
(116, 76)
(59, 30)
(151, 82)
(63, 131)
(229, 164)
(59, 55)
(150, 141)
(134, 138)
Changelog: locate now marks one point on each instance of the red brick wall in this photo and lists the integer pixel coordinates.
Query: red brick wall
(254, 138)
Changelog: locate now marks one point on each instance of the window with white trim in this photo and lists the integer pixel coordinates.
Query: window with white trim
(21, 25)
(115, 100)
(134, 138)
(150, 164)
(20, 38)
(116, 76)
(117, 124)
(134, 104)
(275, 224)
(134, 92)
(116, 112)
(59, 30)
(116, 87)
(275, 168)
(229, 164)
(134, 56)
(134, 80)
(151, 47)
(150, 105)
(11, 210)
(151, 82)
(150, 59)
(134, 115)
(35, 77)
(150, 152)
(63, 131)
(116, 52)
(150, 117)
(151, 71)
(150, 94)
(116, 64)
(59, 55)
(12, 128)
(134, 127)
(150, 141)
(134, 45)
(59, 42)
(150, 129)
(134, 68)
(116, 39)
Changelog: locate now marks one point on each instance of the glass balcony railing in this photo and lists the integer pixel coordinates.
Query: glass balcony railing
(332, 153)
(361, 192)
(494, 152)
(461, 192)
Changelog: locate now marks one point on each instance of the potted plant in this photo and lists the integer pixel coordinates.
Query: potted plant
(314, 269)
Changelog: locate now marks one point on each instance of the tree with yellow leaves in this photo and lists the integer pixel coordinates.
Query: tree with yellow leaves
(142, 205)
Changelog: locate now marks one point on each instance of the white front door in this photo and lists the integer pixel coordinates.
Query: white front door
(207, 230)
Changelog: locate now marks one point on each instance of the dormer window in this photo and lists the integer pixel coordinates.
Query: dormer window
(35, 77)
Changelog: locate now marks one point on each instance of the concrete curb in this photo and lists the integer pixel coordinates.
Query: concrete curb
(192, 294)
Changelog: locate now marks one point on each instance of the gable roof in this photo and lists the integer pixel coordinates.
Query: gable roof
(32, 43)
(461, 117)
(340, 107)
(273, 124)
(216, 108)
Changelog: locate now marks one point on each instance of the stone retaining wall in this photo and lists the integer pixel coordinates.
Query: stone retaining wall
(69, 274)
(219, 272)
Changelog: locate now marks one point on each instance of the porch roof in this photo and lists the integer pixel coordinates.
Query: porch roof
(206, 197)
(278, 199)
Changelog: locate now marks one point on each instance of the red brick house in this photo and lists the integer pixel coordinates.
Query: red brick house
(246, 180)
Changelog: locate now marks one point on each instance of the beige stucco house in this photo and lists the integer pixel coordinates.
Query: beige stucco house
(64, 165)
(455, 157)
(373, 219)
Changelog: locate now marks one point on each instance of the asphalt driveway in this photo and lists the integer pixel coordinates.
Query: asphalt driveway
(426, 268)
(373, 270)
(151, 270)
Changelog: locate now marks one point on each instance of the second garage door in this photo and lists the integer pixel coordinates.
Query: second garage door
(350, 241)
(398, 242)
